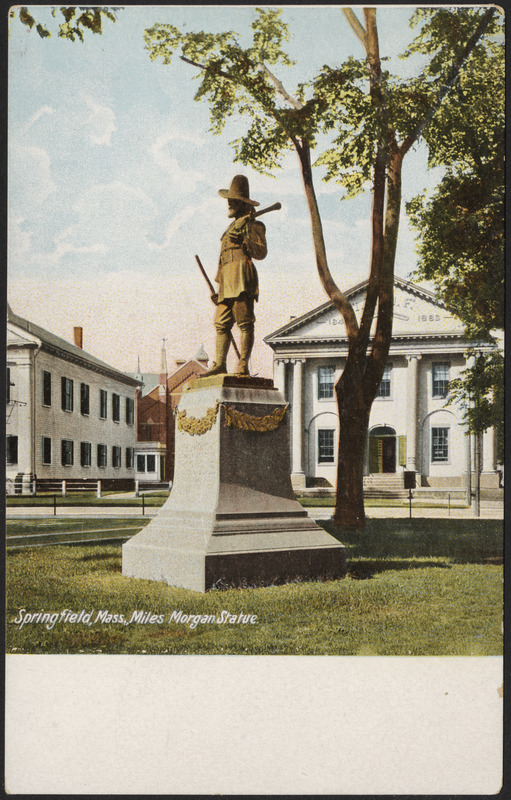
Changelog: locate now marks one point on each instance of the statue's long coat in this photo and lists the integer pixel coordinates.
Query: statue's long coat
(236, 271)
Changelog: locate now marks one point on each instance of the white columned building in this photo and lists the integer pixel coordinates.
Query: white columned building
(412, 425)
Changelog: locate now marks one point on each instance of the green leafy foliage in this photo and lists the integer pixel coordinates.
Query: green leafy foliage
(269, 33)
(90, 18)
(480, 391)
(461, 245)
(461, 225)
(232, 81)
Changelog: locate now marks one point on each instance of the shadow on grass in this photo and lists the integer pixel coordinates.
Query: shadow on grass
(457, 541)
(100, 556)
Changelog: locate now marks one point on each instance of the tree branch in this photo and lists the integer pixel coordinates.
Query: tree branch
(279, 87)
(451, 80)
(356, 25)
(228, 77)
(334, 293)
(193, 63)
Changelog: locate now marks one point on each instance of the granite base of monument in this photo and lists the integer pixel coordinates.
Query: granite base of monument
(231, 518)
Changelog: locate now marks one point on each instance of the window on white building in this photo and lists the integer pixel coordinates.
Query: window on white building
(326, 446)
(102, 455)
(130, 411)
(103, 404)
(46, 388)
(67, 451)
(140, 463)
(85, 454)
(46, 449)
(129, 457)
(116, 456)
(67, 394)
(325, 382)
(384, 387)
(440, 379)
(11, 449)
(84, 399)
(439, 444)
(116, 407)
(151, 463)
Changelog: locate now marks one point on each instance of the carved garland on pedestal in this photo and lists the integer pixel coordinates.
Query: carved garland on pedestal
(247, 422)
(233, 419)
(194, 426)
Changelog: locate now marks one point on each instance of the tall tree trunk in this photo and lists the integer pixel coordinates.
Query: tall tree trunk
(353, 426)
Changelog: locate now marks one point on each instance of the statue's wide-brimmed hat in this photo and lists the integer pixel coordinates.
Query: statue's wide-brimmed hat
(238, 190)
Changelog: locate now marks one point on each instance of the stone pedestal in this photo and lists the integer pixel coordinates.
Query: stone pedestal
(231, 518)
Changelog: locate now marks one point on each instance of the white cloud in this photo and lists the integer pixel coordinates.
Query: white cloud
(38, 114)
(113, 222)
(184, 180)
(64, 248)
(177, 222)
(100, 123)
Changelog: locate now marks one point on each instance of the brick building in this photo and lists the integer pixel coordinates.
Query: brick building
(156, 405)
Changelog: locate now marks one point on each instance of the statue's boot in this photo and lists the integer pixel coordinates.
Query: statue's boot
(219, 366)
(246, 344)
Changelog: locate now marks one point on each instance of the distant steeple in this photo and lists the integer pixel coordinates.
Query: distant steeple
(139, 375)
(163, 358)
(163, 369)
(201, 355)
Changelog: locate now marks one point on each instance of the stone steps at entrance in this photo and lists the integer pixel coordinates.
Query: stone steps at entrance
(384, 481)
(371, 491)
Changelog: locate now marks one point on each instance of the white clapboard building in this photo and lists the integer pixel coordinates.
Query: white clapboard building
(69, 416)
(411, 426)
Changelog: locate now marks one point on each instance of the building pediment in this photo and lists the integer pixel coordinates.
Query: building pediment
(416, 311)
(17, 337)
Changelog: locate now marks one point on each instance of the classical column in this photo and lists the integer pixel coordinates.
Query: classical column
(489, 451)
(297, 473)
(468, 453)
(412, 410)
(279, 375)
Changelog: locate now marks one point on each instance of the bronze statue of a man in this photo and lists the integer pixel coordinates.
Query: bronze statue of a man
(238, 285)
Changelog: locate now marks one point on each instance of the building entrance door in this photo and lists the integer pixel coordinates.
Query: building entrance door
(382, 450)
(388, 454)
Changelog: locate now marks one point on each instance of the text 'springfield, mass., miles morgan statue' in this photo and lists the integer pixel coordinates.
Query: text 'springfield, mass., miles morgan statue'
(238, 285)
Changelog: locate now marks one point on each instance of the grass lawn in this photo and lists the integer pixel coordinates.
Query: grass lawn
(23, 532)
(421, 587)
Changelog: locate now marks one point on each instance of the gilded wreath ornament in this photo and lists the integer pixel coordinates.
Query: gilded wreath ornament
(233, 419)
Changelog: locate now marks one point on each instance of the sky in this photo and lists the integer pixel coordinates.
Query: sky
(114, 178)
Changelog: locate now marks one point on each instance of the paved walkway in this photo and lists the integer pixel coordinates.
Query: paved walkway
(489, 510)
